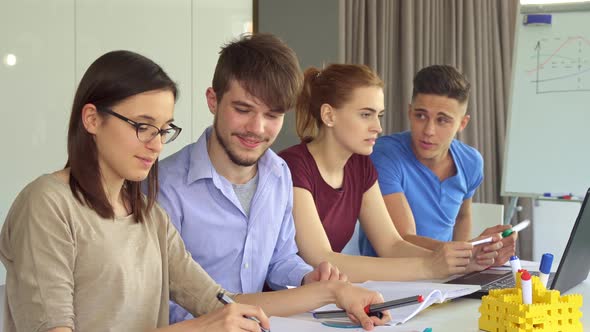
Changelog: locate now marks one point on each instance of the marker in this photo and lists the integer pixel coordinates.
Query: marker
(227, 300)
(537, 19)
(516, 228)
(527, 288)
(373, 309)
(515, 266)
(482, 241)
(545, 268)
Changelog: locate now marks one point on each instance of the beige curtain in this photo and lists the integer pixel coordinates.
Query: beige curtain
(399, 37)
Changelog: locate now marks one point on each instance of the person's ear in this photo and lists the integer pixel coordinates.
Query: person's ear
(212, 101)
(90, 118)
(328, 114)
(464, 122)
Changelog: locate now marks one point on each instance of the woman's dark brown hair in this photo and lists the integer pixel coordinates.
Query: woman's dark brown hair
(109, 80)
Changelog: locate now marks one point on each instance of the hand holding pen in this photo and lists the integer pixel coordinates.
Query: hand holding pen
(239, 317)
(508, 243)
(354, 300)
(373, 309)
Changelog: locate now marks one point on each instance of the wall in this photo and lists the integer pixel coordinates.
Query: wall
(55, 41)
(311, 28)
(553, 222)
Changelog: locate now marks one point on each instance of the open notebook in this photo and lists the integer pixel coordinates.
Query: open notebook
(432, 292)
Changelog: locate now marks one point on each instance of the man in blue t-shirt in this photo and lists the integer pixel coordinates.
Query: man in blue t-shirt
(427, 177)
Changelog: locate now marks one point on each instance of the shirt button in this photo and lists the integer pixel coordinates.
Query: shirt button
(246, 266)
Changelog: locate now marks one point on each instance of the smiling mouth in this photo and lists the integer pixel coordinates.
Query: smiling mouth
(249, 142)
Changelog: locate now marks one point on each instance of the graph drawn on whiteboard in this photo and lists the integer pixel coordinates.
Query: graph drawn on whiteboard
(560, 65)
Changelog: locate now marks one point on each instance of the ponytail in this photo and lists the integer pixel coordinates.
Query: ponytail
(305, 119)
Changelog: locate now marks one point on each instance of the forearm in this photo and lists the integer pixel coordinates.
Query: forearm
(462, 231)
(363, 268)
(293, 301)
(422, 241)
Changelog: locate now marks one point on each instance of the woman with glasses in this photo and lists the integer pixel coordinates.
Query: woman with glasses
(85, 250)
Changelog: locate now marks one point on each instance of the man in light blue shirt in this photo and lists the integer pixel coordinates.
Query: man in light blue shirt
(228, 194)
(426, 176)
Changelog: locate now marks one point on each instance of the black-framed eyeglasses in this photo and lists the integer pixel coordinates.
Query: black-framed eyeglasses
(146, 132)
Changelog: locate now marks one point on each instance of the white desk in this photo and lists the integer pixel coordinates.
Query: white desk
(461, 315)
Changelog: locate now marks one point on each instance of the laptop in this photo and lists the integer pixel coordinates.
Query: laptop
(573, 267)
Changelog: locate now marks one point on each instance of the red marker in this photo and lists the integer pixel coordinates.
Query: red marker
(527, 287)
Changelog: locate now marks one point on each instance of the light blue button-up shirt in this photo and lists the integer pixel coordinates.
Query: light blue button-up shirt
(240, 252)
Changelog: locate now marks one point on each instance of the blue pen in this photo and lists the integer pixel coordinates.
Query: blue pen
(545, 268)
(227, 300)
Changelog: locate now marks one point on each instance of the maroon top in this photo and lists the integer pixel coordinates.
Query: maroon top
(338, 208)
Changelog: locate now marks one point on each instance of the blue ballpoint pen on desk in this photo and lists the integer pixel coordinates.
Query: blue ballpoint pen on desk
(223, 298)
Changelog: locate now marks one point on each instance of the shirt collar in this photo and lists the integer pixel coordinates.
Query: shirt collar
(200, 166)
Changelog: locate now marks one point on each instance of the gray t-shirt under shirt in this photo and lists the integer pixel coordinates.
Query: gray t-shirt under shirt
(245, 192)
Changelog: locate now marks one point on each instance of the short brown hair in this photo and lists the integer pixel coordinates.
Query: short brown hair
(333, 85)
(442, 80)
(110, 79)
(264, 66)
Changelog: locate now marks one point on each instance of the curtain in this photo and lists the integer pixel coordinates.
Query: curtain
(399, 37)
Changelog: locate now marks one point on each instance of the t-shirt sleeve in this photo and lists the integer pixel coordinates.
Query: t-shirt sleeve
(477, 175)
(190, 285)
(370, 171)
(37, 248)
(388, 169)
(299, 167)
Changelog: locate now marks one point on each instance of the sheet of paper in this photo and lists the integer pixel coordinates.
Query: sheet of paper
(432, 292)
(282, 324)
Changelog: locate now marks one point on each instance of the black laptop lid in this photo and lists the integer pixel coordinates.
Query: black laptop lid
(575, 262)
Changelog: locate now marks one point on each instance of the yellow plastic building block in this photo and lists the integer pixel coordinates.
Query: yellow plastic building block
(502, 310)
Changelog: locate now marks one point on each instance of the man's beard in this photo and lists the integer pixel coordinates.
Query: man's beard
(233, 156)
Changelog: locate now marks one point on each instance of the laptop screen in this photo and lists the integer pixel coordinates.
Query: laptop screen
(575, 262)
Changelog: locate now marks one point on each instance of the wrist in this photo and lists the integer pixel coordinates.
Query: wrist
(333, 287)
(428, 264)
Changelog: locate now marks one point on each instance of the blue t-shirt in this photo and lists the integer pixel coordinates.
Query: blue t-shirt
(434, 204)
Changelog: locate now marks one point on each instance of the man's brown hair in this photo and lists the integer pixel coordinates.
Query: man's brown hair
(264, 66)
(442, 80)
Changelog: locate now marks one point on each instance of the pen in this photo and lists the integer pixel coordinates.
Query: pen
(545, 268)
(559, 195)
(482, 241)
(223, 298)
(515, 266)
(516, 228)
(373, 309)
(526, 285)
